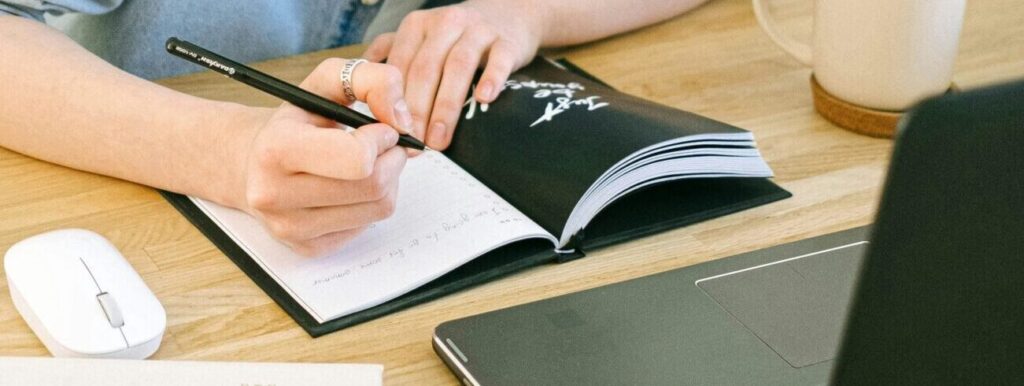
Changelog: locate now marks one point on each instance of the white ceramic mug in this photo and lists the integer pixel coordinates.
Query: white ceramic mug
(880, 54)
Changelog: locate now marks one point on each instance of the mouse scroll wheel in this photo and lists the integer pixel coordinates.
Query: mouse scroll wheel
(111, 309)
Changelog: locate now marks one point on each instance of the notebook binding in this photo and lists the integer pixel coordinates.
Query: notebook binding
(573, 250)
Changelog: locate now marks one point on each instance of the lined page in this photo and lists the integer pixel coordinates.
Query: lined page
(444, 218)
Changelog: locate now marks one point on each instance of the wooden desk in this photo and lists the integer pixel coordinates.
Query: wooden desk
(714, 61)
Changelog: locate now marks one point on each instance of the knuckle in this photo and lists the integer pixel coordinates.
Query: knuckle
(374, 50)
(381, 39)
(447, 105)
(284, 228)
(506, 45)
(363, 157)
(330, 63)
(269, 157)
(420, 70)
(306, 249)
(377, 187)
(463, 59)
(393, 162)
(452, 15)
(508, 48)
(391, 75)
(415, 17)
(481, 32)
(262, 198)
(387, 206)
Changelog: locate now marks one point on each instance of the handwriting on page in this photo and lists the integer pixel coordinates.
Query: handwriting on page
(444, 218)
(430, 238)
(564, 95)
(421, 226)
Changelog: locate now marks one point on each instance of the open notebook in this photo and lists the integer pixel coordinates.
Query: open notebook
(539, 164)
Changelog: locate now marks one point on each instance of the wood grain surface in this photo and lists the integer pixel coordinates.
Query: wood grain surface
(713, 61)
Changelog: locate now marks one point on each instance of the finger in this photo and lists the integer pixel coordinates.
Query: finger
(501, 61)
(305, 190)
(381, 81)
(329, 153)
(457, 76)
(407, 41)
(380, 86)
(330, 219)
(326, 244)
(325, 80)
(380, 47)
(309, 223)
(424, 76)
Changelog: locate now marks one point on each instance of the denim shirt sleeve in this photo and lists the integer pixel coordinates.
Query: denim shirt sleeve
(36, 9)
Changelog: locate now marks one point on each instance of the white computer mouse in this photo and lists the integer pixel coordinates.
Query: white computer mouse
(82, 298)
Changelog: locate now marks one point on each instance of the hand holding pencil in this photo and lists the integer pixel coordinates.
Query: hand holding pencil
(313, 186)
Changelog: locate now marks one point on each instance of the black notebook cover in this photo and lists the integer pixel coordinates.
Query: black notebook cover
(649, 210)
(552, 135)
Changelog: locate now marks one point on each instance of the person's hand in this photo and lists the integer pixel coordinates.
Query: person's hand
(439, 50)
(315, 186)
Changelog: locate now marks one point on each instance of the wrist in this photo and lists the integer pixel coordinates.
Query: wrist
(234, 128)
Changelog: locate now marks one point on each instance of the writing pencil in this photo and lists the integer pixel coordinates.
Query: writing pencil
(279, 88)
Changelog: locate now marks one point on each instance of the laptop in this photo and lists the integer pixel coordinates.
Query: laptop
(932, 294)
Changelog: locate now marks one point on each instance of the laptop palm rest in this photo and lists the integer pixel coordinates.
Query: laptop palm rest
(796, 306)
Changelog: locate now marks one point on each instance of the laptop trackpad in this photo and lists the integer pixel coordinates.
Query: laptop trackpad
(796, 306)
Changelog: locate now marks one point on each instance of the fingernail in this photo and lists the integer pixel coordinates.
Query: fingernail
(486, 89)
(437, 134)
(403, 117)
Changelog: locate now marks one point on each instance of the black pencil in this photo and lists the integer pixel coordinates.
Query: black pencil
(279, 88)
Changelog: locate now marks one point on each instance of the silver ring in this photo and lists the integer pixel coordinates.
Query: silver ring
(346, 78)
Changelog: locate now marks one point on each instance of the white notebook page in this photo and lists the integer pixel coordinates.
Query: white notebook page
(444, 218)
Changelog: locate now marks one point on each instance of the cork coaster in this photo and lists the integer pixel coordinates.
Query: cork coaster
(858, 119)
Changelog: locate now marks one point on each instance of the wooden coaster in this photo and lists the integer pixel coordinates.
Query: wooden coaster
(858, 119)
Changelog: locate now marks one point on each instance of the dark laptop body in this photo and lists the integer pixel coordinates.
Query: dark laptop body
(936, 296)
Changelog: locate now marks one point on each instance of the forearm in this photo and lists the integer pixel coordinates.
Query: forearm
(62, 104)
(567, 22)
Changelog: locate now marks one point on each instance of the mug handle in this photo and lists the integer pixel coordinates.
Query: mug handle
(799, 51)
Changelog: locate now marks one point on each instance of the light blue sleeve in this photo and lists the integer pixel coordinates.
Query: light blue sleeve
(36, 9)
